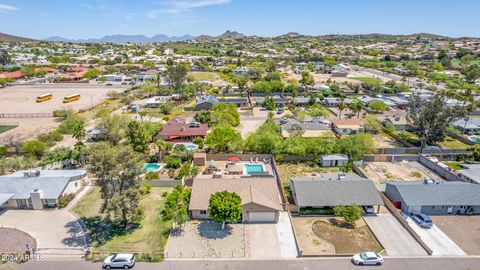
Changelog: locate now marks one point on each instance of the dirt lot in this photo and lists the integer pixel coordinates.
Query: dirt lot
(463, 230)
(309, 242)
(287, 170)
(21, 99)
(381, 172)
(385, 141)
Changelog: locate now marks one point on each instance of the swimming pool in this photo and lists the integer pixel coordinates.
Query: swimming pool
(190, 147)
(151, 167)
(253, 168)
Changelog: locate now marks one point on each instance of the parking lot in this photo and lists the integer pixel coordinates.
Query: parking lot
(436, 240)
(393, 237)
(463, 230)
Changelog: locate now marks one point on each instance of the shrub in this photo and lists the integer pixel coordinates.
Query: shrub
(349, 213)
(34, 148)
(68, 125)
(151, 176)
(64, 200)
(173, 162)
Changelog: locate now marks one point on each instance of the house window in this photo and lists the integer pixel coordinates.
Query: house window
(203, 212)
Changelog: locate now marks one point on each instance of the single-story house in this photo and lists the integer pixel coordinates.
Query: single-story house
(177, 129)
(39, 189)
(304, 129)
(155, 102)
(330, 189)
(339, 71)
(471, 125)
(239, 101)
(333, 102)
(205, 103)
(337, 160)
(435, 198)
(471, 174)
(347, 126)
(260, 197)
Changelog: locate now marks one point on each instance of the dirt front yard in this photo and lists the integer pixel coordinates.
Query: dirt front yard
(463, 230)
(309, 242)
(345, 239)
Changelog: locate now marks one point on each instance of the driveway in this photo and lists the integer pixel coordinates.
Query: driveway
(396, 240)
(270, 240)
(57, 232)
(438, 241)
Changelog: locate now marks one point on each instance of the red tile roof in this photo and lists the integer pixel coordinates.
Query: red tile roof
(13, 75)
(179, 127)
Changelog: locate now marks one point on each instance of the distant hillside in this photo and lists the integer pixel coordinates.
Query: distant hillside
(121, 39)
(227, 35)
(11, 38)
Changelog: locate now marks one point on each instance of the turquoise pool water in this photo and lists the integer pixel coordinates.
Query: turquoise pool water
(150, 167)
(190, 147)
(475, 139)
(253, 168)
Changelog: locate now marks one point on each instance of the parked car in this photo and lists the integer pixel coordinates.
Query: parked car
(125, 261)
(423, 220)
(280, 111)
(367, 258)
(369, 209)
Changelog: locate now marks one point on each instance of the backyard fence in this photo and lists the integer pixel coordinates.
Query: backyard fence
(26, 115)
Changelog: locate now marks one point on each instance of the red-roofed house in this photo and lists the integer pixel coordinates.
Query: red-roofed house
(178, 129)
(12, 75)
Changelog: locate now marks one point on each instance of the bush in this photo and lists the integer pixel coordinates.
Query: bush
(64, 200)
(173, 162)
(34, 148)
(67, 126)
(151, 176)
(3, 150)
(349, 213)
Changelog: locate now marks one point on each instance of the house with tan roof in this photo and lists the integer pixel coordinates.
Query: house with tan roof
(261, 201)
(347, 126)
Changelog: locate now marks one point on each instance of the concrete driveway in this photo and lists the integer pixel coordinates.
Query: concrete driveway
(270, 240)
(436, 240)
(396, 240)
(57, 232)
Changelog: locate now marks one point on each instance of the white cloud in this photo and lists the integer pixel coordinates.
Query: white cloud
(181, 6)
(7, 8)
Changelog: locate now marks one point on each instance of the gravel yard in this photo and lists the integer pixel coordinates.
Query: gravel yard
(15, 241)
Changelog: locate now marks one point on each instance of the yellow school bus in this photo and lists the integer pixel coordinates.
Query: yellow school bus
(71, 98)
(44, 97)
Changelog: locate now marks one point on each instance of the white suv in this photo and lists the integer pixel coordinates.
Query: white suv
(124, 261)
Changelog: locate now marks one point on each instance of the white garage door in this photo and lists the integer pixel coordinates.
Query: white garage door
(261, 216)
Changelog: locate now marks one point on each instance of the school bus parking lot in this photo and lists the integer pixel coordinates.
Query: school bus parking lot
(22, 98)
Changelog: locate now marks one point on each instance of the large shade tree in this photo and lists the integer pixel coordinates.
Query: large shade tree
(225, 207)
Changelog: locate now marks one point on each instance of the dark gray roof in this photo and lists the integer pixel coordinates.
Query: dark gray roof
(443, 193)
(335, 157)
(319, 191)
(233, 100)
(304, 125)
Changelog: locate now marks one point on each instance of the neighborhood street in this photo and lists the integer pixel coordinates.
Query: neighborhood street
(424, 263)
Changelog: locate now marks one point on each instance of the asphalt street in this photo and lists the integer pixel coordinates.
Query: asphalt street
(423, 263)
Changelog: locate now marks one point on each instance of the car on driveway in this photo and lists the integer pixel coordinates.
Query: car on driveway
(367, 258)
(125, 261)
(423, 220)
(369, 209)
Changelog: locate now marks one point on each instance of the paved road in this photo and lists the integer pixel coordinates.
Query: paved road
(437, 240)
(396, 240)
(304, 264)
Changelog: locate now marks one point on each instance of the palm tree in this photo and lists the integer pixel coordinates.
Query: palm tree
(356, 107)
(79, 133)
(341, 106)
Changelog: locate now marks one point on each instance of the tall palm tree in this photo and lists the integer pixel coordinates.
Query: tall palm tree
(79, 133)
(341, 106)
(356, 107)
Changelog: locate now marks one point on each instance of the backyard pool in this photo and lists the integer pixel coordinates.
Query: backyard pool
(253, 168)
(190, 147)
(151, 167)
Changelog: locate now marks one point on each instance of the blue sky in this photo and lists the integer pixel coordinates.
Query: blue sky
(95, 18)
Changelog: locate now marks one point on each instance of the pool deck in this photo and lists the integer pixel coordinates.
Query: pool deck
(222, 165)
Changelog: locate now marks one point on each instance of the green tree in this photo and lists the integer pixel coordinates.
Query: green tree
(202, 116)
(342, 105)
(307, 78)
(225, 207)
(5, 59)
(377, 106)
(176, 205)
(117, 169)
(34, 148)
(356, 146)
(223, 113)
(138, 137)
(269, 104)
(79, 133)
(349, 213)
(429, 118)
(223, 138)
(356, 106)
(176, 76)
(92, 74)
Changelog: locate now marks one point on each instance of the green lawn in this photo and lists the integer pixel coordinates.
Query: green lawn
(147, 240)
(366, 79)
(456, 63)
(5, 128)
(203, 76)
(455, 165)
(452, 143)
